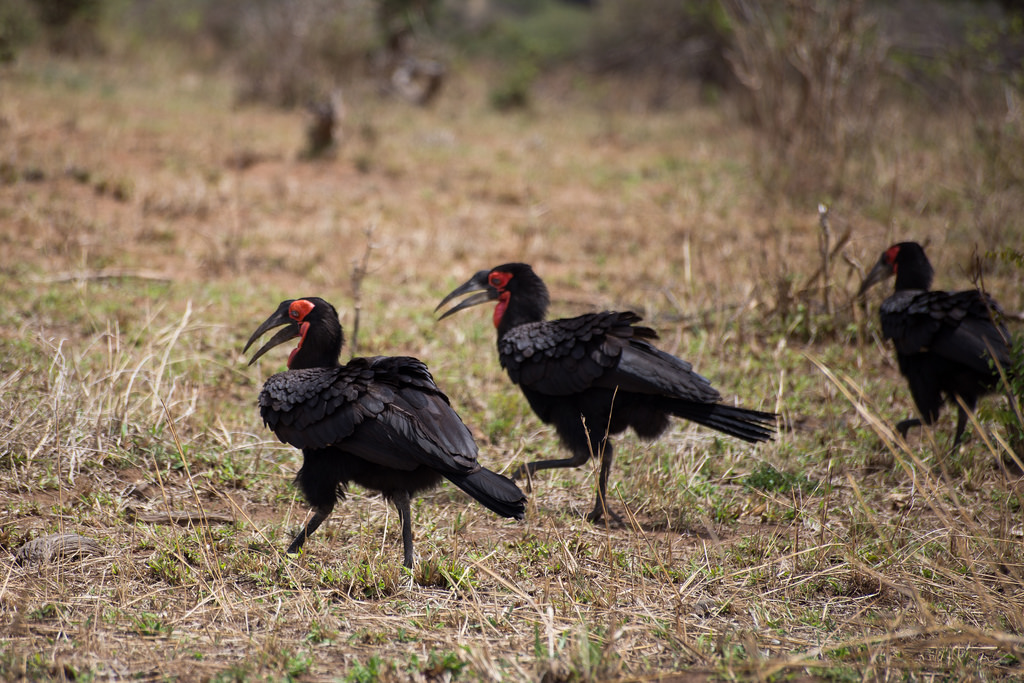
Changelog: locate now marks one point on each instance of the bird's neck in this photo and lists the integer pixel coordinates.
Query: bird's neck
(913, 271)
(317, 348)
(913, 279)
(302, 361)
(510, 316)
(527, 305)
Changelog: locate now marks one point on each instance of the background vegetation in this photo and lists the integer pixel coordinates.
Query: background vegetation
(157, 201)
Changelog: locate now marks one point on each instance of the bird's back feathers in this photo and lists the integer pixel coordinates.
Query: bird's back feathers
(957, 326)
(386, 410)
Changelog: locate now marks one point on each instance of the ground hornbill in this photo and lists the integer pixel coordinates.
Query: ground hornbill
(573, 370)
(945, 341)
(380, 422)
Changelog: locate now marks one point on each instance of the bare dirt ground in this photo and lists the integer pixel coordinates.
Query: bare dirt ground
(148, 225)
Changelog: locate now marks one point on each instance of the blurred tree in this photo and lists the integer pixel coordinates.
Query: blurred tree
(398, 19)
(72, 26)
(18, 27)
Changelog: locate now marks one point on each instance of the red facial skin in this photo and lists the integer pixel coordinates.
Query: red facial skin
(499, 280)
(890, 257)
(297, 312)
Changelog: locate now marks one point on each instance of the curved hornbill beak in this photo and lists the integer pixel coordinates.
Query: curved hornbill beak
(280, 317)
(881, 271)
(475, 284)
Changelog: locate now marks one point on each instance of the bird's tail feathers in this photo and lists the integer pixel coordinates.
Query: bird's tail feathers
(494, 491)
(743, 423)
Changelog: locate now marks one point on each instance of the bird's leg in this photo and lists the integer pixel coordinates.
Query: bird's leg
(401, 501)
(961, 425)
(904, 426)
(320, 513)
(527, 470)
(601, 503)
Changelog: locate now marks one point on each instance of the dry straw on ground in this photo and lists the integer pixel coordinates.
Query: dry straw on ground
(838, 552)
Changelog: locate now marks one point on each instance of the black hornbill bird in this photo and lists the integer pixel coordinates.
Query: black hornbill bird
(945, 341)
(573, 370)
(379, 422)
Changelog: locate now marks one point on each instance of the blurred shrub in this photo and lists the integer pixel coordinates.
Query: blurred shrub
(283, 52)
(811, 74)
(512, 88)
(672, 40)
(68, 26)
(288, 53)
(72, 26)
(18, 28)
(542, 33)
(953, 49)
(981, 77)
(523, 38)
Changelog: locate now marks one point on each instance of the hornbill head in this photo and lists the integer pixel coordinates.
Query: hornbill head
(907, 262)
(311, 319)
(522, 296)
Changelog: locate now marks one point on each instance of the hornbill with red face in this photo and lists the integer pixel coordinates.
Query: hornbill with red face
(947, 343)
(379, 422)
(596, 374)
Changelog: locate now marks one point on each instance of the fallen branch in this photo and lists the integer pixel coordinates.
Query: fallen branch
(182, 518)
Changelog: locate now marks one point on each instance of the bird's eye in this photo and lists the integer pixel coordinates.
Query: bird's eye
(499, 280)
(299, 309)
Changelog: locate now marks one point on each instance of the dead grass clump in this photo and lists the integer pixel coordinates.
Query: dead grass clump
(98, 405)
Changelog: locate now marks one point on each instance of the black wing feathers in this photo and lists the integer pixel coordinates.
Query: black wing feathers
(386, 410)
(958, 326)
(607, 350)
(563, 357)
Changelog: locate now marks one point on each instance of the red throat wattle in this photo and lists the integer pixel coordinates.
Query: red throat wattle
(303, 329)
(890, 257)
(499, 310)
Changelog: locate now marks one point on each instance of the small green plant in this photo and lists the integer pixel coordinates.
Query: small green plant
(366, 579)
(446, 574)
(767, 478)
(294, 664)
(236, 673)
(149, 624)
(318, 635)
(441, 662)
(174, 565)
(370, 672)
(44, 612)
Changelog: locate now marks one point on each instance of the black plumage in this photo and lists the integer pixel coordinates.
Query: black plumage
(596, 374)
(379, 422)
(947, 343)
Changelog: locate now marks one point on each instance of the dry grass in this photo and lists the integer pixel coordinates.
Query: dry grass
(149, 227)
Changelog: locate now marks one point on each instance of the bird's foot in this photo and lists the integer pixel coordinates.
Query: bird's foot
(598, 513)
(296, 545)
(904, 426)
